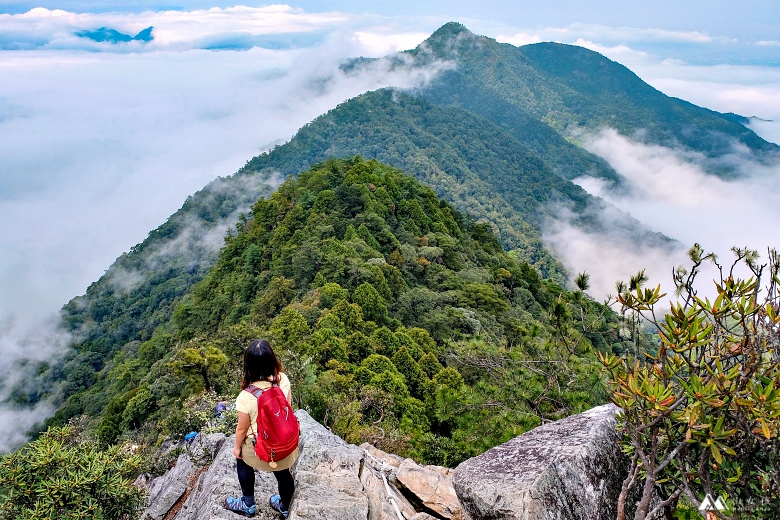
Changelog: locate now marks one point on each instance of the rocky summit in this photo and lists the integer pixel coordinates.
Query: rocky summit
(334, 480)
(568, 469)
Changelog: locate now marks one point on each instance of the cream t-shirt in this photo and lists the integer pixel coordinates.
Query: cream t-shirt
(247, 403)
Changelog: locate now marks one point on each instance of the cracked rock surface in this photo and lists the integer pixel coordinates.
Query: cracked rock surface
(569, 469)
(334, 481)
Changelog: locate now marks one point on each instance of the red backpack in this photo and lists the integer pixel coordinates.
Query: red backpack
(277, 426)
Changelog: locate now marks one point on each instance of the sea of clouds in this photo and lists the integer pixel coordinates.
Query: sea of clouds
(670, 191)
(101, 142)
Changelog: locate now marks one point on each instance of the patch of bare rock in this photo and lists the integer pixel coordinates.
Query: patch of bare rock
(569, 469)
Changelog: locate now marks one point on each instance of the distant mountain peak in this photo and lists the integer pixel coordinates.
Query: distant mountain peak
(449, 30)
(447, 34)
(107, 34)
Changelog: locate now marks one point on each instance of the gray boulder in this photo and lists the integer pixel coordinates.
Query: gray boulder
(327, 476)
(220, 480)
(165, 491)
(570, 469)
(334, 481)
(431, 487)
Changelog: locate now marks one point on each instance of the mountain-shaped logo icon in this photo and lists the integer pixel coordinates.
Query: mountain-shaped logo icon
(708, 504)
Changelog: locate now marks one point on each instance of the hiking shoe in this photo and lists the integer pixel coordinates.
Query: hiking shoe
(237, 505)
(276, 503)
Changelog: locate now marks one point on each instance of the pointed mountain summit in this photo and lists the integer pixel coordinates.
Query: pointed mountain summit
(448, 37)
(575, 92)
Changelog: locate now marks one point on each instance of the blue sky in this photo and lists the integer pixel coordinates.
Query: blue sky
(698, 31)
(750, 19)
(100, 143)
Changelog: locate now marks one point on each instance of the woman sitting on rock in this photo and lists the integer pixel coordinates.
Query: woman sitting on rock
(262, 371)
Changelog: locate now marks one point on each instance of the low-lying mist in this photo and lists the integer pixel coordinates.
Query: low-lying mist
(670, 191)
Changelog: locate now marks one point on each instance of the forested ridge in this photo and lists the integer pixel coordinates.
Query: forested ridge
(409, 293)
(400, 320)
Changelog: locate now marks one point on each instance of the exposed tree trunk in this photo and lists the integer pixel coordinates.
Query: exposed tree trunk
(643, 506)
(204, 371)
(628, 485)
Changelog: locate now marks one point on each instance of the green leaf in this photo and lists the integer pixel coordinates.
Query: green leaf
(716, 453)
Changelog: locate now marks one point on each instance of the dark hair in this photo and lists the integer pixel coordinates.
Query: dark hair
(260, 362)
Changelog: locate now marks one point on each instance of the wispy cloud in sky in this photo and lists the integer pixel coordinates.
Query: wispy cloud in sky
(240, 27)
(692, 47)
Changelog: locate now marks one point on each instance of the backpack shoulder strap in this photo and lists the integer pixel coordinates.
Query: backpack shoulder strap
(255, 391)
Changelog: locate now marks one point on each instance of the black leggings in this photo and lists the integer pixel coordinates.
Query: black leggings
(246, 477)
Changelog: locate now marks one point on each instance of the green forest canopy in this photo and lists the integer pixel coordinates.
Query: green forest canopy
(401, 321)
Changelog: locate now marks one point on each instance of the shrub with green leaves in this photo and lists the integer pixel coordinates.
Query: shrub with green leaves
(702, 415)
(60, 477)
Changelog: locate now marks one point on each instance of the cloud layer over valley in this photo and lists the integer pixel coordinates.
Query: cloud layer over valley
(669, 191)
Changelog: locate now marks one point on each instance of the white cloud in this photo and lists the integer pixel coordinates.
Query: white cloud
(611, 255)
(672, 194)
(616, 39)
(180, 30)
(769, 130)
(46, 342)
(380, 44)
(16, 422)
(637, 34)
(520, 38)
(748, 90)
(238, 27)
(619, 53)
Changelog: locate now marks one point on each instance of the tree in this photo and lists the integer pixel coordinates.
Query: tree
(371, 302)
(201, 360)
(415, 377)
(289, 328)
(702, 416)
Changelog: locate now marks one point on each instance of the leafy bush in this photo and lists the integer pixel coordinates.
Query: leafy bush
(198, 413)
(702, 415)
(60, 477)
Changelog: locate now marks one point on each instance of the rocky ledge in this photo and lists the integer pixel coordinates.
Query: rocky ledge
(570, 469)
(334, 480)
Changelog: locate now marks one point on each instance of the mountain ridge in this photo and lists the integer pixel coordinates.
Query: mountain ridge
(593, 92)
(112, 319)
